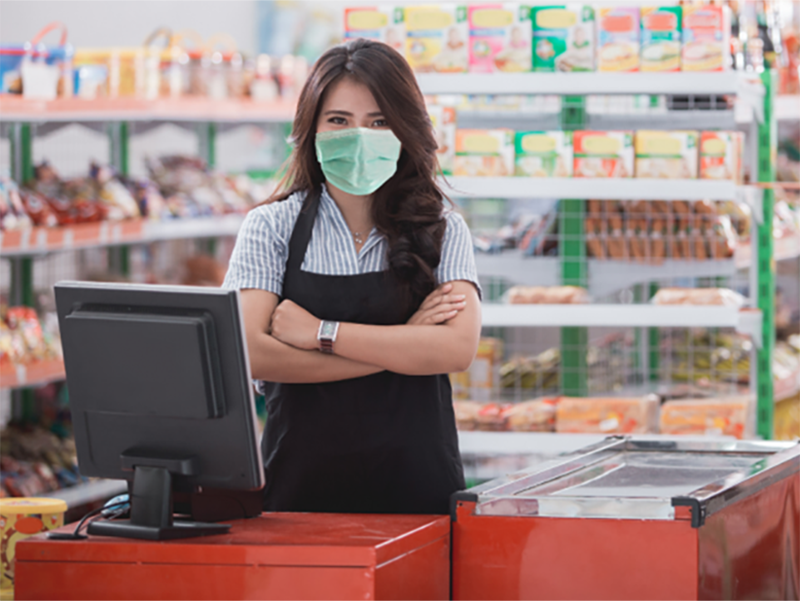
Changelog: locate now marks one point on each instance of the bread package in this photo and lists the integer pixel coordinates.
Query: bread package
(607, 415)
(699, 296)
(466, 414)
(538, 415)
(720, 417)
(548, 295)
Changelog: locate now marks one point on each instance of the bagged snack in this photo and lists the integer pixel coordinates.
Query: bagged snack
(459, 382)
(548, 295)
(698, 296)
(721, 155)
(382, 23)
(543, 154)
(607, 415)
(485, 152)
(706, 32)
(603, 153)
(492, 418)
(466, 414)
(484, 371)
(666, 154)
(563, 38)
(538, 415)
(444, 128)
(437, 38)
(716, 417)
(500, 38)
(595, 238)
(661, 38)
(618, 38)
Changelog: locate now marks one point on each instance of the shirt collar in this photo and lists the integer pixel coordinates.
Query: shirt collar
(331, 209)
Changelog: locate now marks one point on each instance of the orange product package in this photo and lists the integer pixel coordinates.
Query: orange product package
(721, 155)
(484, 152)
(637, 415)
(537, 415)
(603, 154)
(720, 417)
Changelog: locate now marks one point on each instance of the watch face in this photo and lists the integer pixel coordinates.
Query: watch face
(328, 329)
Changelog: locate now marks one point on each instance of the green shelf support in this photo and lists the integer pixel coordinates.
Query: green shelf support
(119, 144)
(207, 143)
(653, 345)
(21, 152)
(765, 293)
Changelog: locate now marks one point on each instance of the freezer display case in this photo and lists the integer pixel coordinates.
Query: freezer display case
(636, 519)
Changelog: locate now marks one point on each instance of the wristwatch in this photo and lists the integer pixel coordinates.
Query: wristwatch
(326, 335)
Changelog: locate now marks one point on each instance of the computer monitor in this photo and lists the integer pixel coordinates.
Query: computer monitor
(160, 395)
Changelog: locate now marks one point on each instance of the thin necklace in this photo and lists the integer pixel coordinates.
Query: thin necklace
(357, 237)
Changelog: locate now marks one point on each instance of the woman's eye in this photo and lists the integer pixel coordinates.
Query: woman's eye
(380, 123)
(338, 120)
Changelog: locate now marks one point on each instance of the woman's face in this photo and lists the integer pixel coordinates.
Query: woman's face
(349, 103)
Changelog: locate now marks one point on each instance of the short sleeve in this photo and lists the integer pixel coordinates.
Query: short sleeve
(458, 255)
(259, 256)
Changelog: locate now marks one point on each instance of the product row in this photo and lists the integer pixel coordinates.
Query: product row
(25, 338)
(575, 295)
(515, 37)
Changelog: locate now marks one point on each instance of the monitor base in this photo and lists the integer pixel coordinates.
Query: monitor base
(179, 529)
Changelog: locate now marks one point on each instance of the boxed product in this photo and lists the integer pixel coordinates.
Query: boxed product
(500, 37)
(603, 153)
(607, 415)
(618, 38)
(661, 38)
(666, 154)
(538, 415)
(444, 128)
(484, 371)
(487, 152)
(563, 38)
(721, 155)
(717, 417)
(437, 38)
(543, 153)
(382, 23)
(705, 38)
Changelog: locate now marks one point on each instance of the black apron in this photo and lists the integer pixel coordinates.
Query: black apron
(384, 443)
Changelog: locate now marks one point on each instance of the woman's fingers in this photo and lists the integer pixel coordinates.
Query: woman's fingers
(443, 312)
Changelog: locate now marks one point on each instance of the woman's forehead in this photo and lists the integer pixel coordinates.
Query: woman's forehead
(349, 95)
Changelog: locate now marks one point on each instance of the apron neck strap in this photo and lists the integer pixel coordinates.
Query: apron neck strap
(302, 230)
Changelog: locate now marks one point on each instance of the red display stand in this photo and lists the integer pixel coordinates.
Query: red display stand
(274, 556)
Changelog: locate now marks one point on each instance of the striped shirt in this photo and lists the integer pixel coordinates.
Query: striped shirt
(262, 247)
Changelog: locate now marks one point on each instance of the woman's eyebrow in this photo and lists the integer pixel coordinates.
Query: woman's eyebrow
(349, 114)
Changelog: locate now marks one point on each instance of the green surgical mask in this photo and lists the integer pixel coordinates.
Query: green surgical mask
(358, 160)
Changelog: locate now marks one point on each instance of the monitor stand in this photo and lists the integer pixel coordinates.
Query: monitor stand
(151, 512)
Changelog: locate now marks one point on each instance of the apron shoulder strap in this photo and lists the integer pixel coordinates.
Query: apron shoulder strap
(302, 231)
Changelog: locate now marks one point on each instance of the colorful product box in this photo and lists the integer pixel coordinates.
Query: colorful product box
(603, 153)
(705, 38)
(661, 38)
(618, 38)
(381, 23)
(563, 38)
(500, 38)
(437, 38)
(721, 155)
(486, 152)
(485, 369)
(444, 128)
(543, 154)
(666, 154)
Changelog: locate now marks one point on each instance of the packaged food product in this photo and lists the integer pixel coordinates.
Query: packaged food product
(500, 37)
(563, 38)
(718, 417)
(538, 415)
(661, 38)
(698, 296)
(487, 152)
(484, 371)
(459, 382)
(543, 153)
(666, 154)
(607, 415)
(618, 38)
(548, 295)
(466, 414)
(382, 23)
(437, 38)
(444, 128)
(492, 417)
(706, 32)
(595, 239)
(721, 155)
(603, 153)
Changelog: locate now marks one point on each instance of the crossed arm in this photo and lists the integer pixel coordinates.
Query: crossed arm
(441, 337)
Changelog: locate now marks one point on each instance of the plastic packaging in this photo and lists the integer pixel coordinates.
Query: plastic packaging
(607, 415)
(704, 417)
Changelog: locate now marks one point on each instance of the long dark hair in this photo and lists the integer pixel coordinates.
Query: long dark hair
(407, 209)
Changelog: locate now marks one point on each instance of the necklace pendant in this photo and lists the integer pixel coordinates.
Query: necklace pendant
(357, 238)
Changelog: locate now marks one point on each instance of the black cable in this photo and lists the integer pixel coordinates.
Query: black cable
(76, 535)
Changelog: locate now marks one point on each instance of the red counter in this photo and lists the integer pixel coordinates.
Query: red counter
(275, 556)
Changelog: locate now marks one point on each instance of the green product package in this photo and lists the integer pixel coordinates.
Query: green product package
(543, 154)
(563, 38)
(662, 28)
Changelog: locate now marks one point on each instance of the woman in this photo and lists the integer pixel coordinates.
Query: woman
(342, 264)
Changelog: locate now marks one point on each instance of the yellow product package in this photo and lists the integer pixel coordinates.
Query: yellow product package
(603, 153)
(437, 38)
(484, 152)
(381, 23)
(485, 369)
(543, 154)
(666, 154)
(444, 128)
(721, 155)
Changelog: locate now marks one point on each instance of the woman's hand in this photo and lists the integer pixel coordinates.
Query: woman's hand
(293, 325)
(439, 307)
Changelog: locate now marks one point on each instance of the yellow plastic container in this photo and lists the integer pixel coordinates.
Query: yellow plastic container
(21, 518)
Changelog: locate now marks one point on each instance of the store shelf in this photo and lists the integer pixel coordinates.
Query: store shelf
(16, 108)
(36, 373)
(107, 233)
(784, 249)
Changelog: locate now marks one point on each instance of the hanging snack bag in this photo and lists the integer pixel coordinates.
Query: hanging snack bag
(487, 152)
(661, 38)
(500, 37)
(706, 33)
(381, 23)
(721, 155)
(603, 153)
(666, 154)
(618, 39)
(444, 128)
(543, 154)
(563, 38)
(437, 38)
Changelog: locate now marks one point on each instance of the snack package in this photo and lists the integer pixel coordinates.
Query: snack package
(607, 415)
(484, 371)
(444, 128)
(563, 38)
(603, 153)
(485, 152)
(721, 155)
(716, 417)
(459, 382)
(618, 38)
(699, 296)
(437, 38)
(538, 415)
(706, 33)
(492, 418)
(382, 23)
(662, 29)
(543, 153)
(500, 38)
(666, 154)
(548, 295)
(466, 414)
